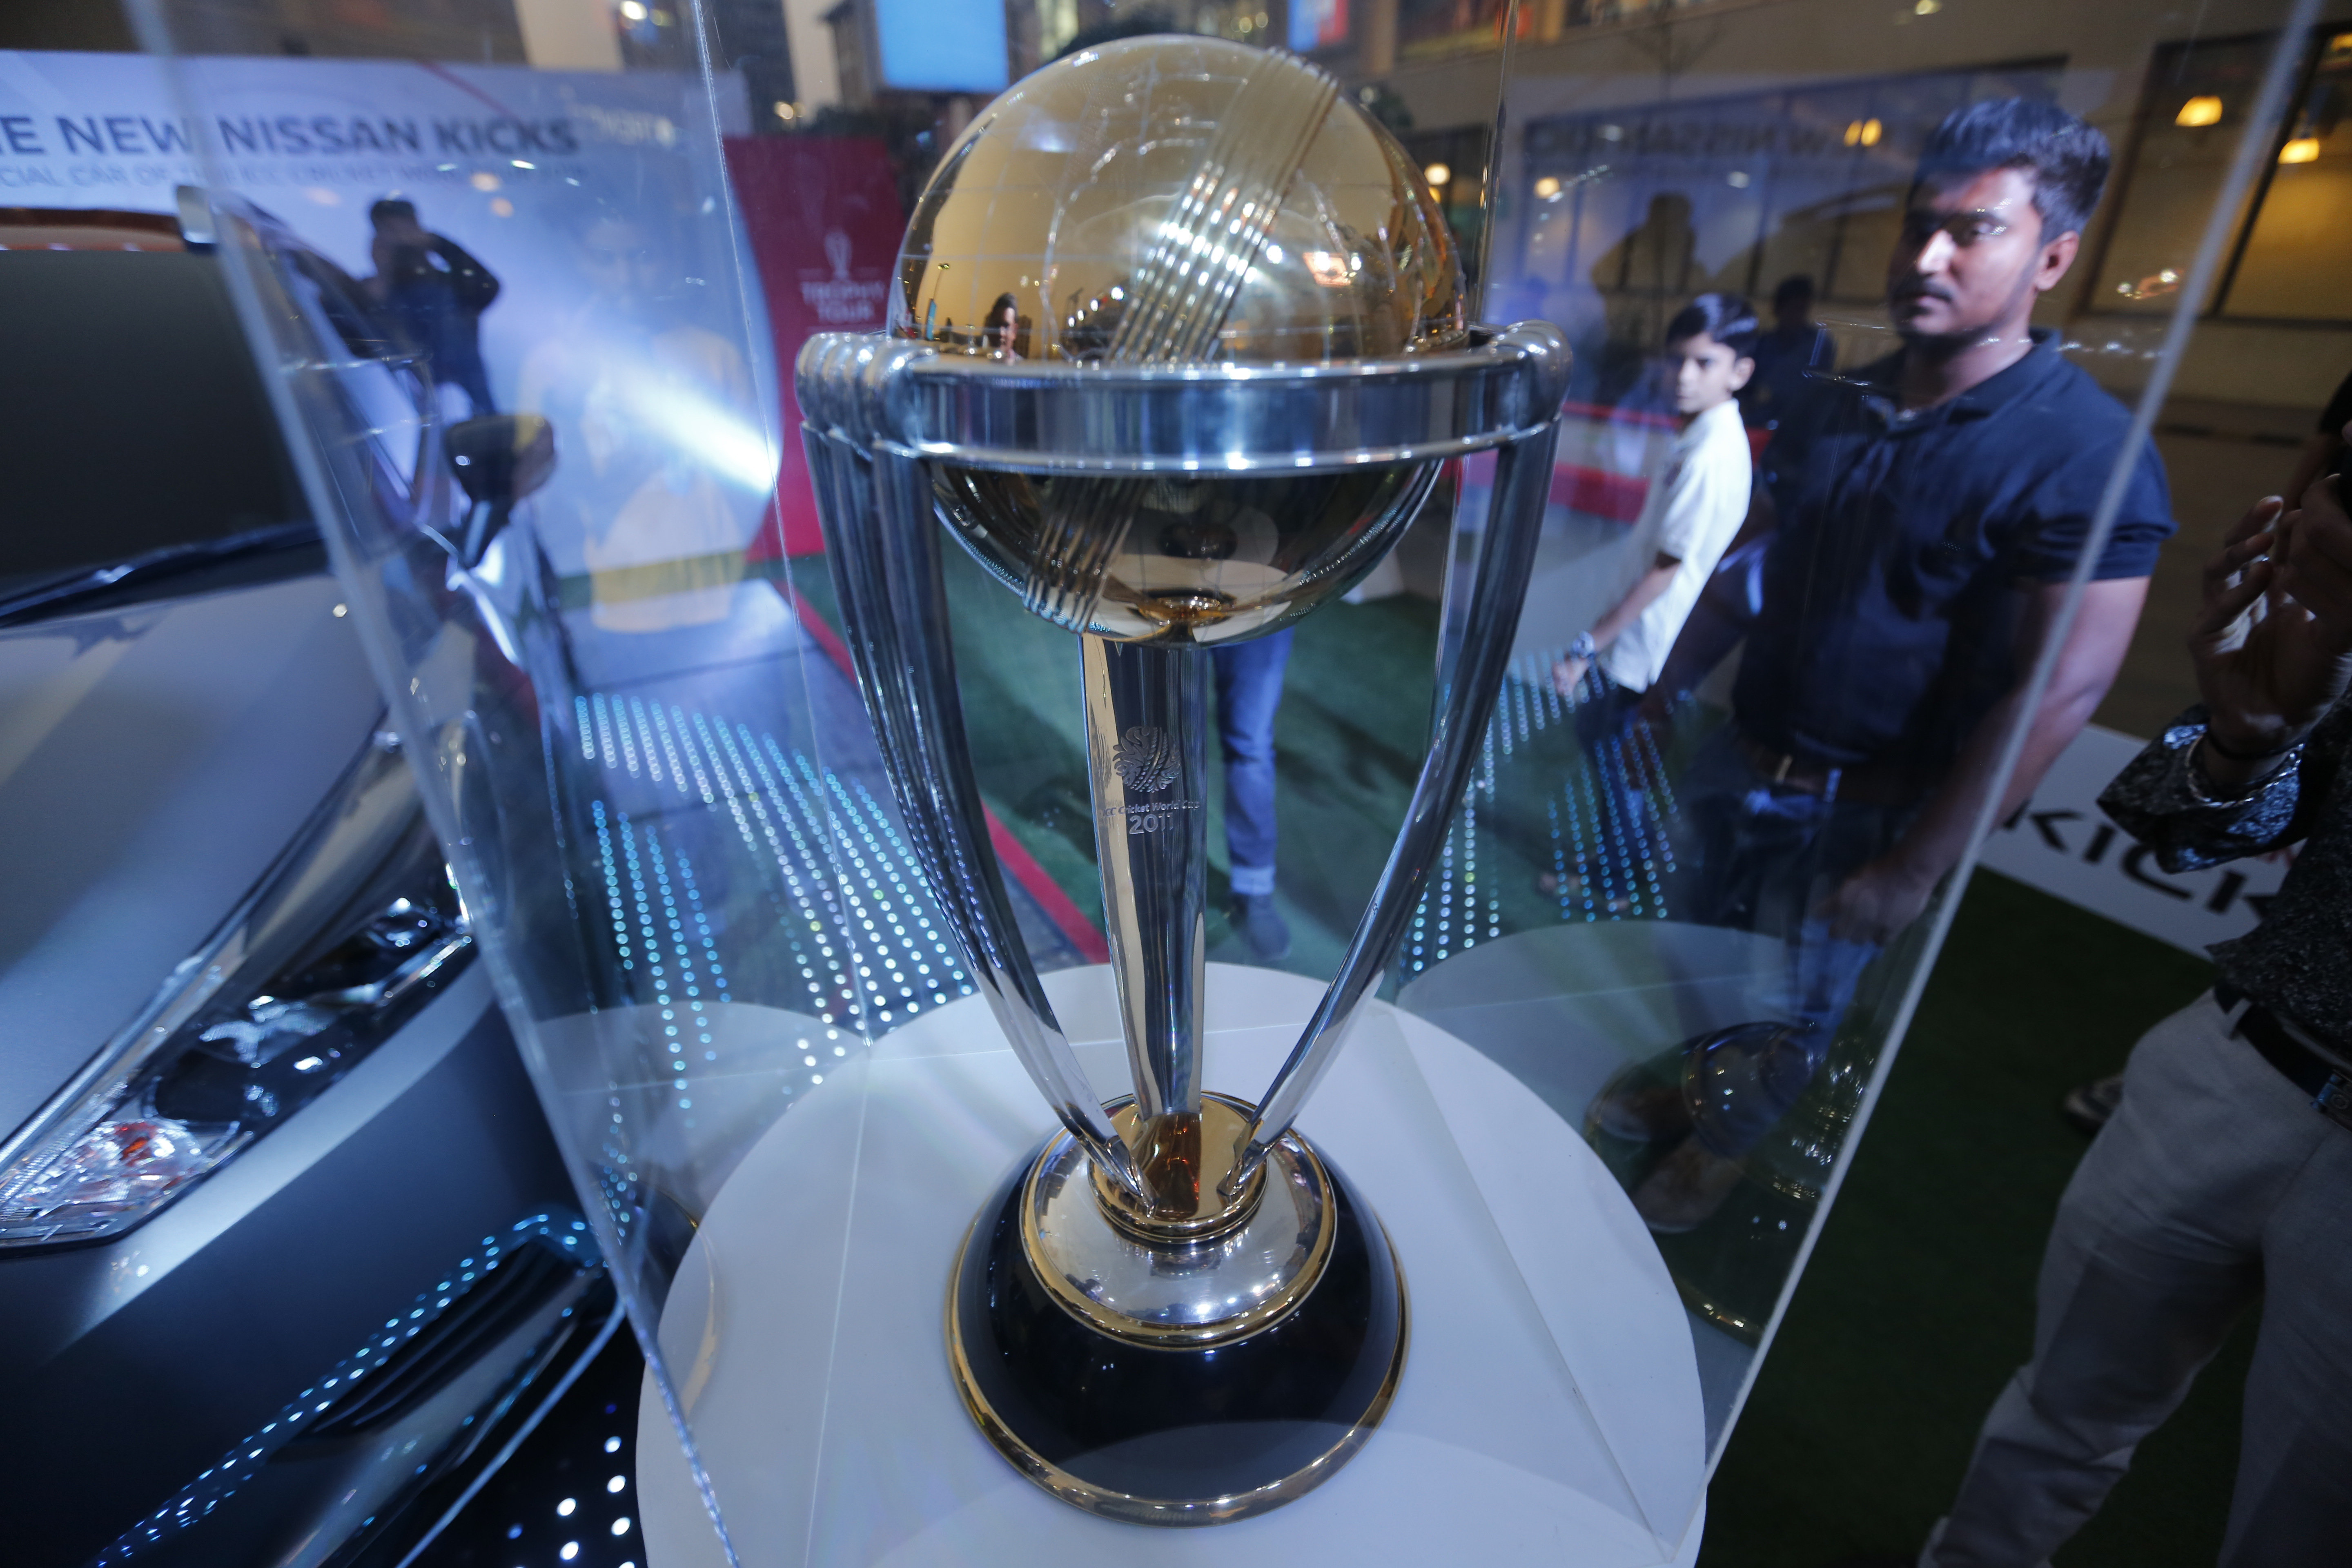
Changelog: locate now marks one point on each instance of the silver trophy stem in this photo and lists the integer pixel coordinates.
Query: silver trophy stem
(1145, 713)
(1506, 550)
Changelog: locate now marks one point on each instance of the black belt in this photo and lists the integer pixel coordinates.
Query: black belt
(1869, 782)
(2329, 1086)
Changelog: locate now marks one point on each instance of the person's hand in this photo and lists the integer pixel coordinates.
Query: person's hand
(1569, 674)
(2273, 639)
(1877, 902)
(2319, 572)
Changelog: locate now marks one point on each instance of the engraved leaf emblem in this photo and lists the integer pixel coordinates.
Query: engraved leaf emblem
(1145, 759)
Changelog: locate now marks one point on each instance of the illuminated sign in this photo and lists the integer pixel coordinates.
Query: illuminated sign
(941, 46)
(1317, 23)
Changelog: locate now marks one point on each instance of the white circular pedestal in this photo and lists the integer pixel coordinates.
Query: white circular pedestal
(1549, 1410)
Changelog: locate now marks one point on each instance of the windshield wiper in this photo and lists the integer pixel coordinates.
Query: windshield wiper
(60, 594)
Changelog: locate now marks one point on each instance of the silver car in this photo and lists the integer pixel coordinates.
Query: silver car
(288, 1259)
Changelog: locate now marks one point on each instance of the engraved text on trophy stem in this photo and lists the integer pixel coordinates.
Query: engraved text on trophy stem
(1147, 759)
(1153, 817)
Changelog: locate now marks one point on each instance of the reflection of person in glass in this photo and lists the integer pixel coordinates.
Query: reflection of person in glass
(1004, 328)
(1931, 511)
(1695, 506)
(2222, 1178)
(1795, 348)
(1655, 258)
(436, 292)
(1249, 690)
(665, 465)
(1647, 271)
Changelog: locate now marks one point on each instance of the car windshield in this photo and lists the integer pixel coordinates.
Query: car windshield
(136, 421)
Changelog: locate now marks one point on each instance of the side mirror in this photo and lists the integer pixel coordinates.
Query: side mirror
(498, 459)
(195, 211)
(502, 458)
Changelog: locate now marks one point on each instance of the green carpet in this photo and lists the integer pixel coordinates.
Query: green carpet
(1919, 1304)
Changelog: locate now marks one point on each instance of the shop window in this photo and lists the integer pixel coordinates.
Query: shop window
(2288, 259)
(1425, 27)
(1454, 163)
(1635, 210)
(2292, 263)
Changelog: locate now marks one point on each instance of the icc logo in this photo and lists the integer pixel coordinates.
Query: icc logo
(1145, 759)
(843, 300)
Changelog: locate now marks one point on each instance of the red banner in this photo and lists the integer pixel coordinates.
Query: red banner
(822, 213)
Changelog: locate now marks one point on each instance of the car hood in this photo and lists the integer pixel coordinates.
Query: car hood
(153, 761)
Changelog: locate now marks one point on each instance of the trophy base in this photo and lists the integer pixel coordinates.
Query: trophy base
(1171, 1432)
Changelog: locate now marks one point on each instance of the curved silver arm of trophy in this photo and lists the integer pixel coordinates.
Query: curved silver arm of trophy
(1506, 549)
(887, 419)
(875, 503)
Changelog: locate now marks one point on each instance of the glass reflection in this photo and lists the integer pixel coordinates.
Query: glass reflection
(1790, 786)
(669, 469)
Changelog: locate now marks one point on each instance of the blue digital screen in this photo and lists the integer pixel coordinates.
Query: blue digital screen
(1317, 23)
(941, 46)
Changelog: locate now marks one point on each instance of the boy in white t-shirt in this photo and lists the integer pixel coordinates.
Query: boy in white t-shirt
(1696, 505)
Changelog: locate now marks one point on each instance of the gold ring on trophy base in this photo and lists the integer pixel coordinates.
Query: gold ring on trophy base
(1193, 1155)
(1796, 1189)
(1732, 1320)
(1170, 1433)
(1159, 1287)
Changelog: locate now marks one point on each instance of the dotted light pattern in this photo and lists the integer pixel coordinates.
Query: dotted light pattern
(806, 892)
(1605, 867)
(209, 1490)
(677, 984)
(866, 947)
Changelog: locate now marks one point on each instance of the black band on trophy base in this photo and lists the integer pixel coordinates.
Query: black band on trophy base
(1176, 1435)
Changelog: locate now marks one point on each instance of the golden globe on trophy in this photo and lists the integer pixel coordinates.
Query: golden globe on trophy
(1178, 346)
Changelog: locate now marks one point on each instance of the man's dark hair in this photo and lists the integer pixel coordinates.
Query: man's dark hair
(1726, 318)
(1796, 286)
(391, 208)
(2067, 159)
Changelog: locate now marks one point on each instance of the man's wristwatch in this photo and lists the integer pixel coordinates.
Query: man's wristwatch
(2210, 790)
(2239, 754)
(1583, 648)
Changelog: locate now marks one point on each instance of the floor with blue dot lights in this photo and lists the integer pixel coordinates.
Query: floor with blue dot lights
(567, 1497)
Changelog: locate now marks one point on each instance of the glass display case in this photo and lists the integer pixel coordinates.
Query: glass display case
(1703, 555)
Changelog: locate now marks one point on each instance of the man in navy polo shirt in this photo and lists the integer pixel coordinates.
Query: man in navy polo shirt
(1932, 509)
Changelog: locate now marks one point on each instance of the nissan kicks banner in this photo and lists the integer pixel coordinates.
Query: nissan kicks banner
(2060, 842)
(503, 214)
(495, 158)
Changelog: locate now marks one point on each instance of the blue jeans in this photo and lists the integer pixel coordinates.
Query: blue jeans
(1756, 855)
(1603, 720)
(1249, 690)
(449, 337)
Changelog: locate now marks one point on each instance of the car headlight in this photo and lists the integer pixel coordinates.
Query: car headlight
(343, 940)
